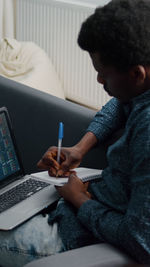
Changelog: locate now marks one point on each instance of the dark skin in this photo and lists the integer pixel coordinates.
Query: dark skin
(75, 191)
(122, 85)
(71, 159)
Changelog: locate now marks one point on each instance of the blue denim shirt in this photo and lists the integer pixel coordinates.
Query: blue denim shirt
(120, 211)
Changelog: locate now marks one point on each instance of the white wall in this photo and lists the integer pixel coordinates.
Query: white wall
(7, 18)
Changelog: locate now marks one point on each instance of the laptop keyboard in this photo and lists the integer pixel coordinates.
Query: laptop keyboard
(20, 193)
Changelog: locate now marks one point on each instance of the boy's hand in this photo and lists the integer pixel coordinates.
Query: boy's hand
(49, 162)
(69, 158)
(75, 191)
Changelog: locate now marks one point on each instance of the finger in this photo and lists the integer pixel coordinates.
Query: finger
(62, 157)
(73, 177)
(52, 172)
(49, 159)
(67, 163)
(64, 166)
(62, 173)
(52, 148)
(86, 185)
(52, 156)
(53, 151)
(88, 194)
(41, 165)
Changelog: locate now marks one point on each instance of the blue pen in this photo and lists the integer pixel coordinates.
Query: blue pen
(60, 137)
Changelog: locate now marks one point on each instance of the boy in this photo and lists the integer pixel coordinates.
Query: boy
(115, 210)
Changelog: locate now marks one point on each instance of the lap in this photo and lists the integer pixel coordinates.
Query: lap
(29, 241)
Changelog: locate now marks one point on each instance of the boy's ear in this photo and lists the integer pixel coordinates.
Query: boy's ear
(138, 74)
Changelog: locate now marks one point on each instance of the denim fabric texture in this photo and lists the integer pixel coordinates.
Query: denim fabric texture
(30, 241)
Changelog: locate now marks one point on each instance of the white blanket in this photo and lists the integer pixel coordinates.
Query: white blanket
(27, 63)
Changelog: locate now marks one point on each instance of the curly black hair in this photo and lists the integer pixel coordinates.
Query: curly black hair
(119, 32)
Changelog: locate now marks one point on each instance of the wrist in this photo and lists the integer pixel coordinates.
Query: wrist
(80, 149)
(88, 141)
(79, 199)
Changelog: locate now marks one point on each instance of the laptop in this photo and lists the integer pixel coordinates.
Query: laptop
(21, 196)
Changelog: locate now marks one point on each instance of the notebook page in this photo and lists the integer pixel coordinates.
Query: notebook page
(85, 174)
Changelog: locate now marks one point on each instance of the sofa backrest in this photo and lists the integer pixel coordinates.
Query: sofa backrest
(35, 117)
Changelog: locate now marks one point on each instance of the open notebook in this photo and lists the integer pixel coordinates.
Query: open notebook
(85, 174)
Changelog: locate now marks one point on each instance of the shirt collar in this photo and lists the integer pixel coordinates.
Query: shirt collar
(145, 97)
(136, 102)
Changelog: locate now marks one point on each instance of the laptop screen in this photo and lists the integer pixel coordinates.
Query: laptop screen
(9, 163)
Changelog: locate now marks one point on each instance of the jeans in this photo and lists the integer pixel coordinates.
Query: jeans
(30, 241)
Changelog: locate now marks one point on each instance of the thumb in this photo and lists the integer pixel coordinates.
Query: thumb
(88, 194)
(65, 165)
(86, 185)
(72, 176)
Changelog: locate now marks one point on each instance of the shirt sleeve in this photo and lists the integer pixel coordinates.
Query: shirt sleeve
(109, 119)
(129, 230)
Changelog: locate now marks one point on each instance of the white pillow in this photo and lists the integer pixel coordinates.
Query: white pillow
(27, 63)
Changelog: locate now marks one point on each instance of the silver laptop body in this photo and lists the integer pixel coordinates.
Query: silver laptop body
(35, 196)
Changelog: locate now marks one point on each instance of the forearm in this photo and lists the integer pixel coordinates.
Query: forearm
(88, 141)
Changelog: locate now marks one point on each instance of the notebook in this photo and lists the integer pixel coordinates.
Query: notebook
(21, 196)
(85, 174)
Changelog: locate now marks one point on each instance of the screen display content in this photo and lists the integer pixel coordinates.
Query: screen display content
(8, 160)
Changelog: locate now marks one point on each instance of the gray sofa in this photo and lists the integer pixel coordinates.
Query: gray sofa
(35, 116)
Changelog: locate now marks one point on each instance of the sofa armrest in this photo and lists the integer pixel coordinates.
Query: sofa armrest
(98, 255)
